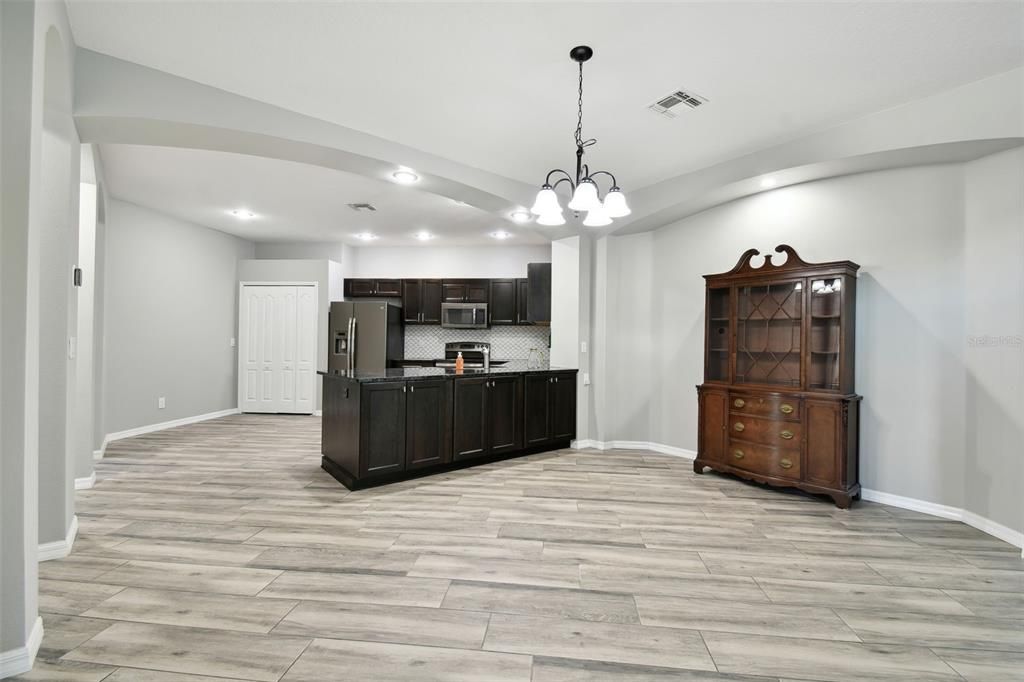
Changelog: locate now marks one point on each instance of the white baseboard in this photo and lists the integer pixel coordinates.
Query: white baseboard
(20, 660)
(634, 445)
(989, 526)
(58, 549)
(97, 455)
(150, 428)
(318, 413)
(86, 482)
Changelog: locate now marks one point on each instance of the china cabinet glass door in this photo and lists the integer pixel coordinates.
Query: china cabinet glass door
(826, 319)
(717, 341)
(768, 333)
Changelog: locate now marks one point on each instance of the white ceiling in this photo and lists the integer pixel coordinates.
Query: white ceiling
(490, 84)
(293, 201)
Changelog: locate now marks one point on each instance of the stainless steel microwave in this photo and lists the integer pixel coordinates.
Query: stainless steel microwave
(464, 315)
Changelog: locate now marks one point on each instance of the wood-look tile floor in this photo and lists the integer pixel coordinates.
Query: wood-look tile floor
(221, 551)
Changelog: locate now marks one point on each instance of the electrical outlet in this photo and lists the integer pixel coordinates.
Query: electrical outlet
(586, 378)
(161, 402)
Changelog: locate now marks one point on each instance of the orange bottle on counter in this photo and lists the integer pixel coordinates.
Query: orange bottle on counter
(459, 363)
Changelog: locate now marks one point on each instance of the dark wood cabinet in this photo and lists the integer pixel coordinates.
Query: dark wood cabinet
(522, 298)
(469, 430)
(428, 407)
(382, 428)
(488, 416)
(505, 414)
(777, 404)
(372, 288)
(375, 432)
(465, 290)
(538, 304)
(421, 301)
(503, 302)
(549, 407)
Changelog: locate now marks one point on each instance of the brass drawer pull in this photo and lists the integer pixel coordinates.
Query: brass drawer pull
(738, 426)
(739, 402)
(738, 454)
(787, 434)
(786, 408)
(785, 463)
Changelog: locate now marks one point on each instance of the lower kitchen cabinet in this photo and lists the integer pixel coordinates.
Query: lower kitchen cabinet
(428, 412)
(550, 408)
(382, 428)
(488, 416)
(376, 431)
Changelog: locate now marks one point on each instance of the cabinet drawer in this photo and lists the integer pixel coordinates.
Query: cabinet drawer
(771, 406)
(774, 432)
(765, 460)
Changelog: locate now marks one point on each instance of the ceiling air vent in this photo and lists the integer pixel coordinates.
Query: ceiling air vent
(674, 103)
(362, 207)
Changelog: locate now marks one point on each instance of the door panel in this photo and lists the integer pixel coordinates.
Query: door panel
(284, 361)
(522, 298)
(382, 428)
(563, 407)
(503, 301)
(411, 300)
(537, 409)
(428, 410)
(823, 442)
(430, 301)
(389, 287)
(504, 414)
(713, 418)
(305, 349)
(477, 291)
(453, 292)
(469, 433)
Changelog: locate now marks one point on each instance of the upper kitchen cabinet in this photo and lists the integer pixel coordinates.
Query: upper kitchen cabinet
(465, 290)
(522, 297)
(365, 288)
(503, 301)
(421, 301)
(538, 304)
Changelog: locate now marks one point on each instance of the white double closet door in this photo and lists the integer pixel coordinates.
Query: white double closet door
(277, 348)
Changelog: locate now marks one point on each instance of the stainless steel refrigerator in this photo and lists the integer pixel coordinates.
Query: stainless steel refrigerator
(365, 335)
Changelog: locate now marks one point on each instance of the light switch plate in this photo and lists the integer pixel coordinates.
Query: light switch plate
(232, 342)
(583, 346)
(161, 402)
(586, 378)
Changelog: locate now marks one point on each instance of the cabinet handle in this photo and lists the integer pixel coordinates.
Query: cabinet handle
(403, 388)
(786, 408)
(738, 426)
(412, 389)
(787, 434)
(785, 463)
(738, 454)
(739, 402)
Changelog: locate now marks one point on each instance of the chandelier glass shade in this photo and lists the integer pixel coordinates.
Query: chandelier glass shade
(584, 190)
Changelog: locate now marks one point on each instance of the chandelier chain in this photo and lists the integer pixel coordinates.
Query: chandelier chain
(580, 142)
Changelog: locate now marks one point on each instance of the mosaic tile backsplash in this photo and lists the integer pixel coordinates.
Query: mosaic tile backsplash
(507, 343)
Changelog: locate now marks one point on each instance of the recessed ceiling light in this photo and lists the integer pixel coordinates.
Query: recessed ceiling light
(242, 214)
(405, 177)
(768, 183)
(520, 216)
(501, 234)
(365, 236)
(423, 236)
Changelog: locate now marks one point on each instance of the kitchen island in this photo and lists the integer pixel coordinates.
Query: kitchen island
(392, 424)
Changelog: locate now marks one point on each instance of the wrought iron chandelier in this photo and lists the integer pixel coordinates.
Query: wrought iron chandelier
(585, 192)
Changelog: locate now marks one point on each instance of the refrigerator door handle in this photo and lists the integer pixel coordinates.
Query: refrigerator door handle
(351, 344)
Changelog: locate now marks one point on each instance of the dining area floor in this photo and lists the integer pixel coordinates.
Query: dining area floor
(221, 551)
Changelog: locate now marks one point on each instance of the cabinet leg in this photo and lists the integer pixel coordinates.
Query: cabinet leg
(698, 468)
(842, 501)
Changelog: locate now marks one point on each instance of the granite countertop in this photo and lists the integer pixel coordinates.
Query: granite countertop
(424, 373)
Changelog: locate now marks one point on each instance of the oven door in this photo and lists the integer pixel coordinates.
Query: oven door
(464, 315)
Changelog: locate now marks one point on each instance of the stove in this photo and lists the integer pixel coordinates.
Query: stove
(472, 354)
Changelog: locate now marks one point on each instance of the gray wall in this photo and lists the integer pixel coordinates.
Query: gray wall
(171, 310)
(994, 248)
(905, 227)
(318, 271)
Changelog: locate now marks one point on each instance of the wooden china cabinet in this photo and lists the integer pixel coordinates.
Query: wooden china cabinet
(777, 404)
